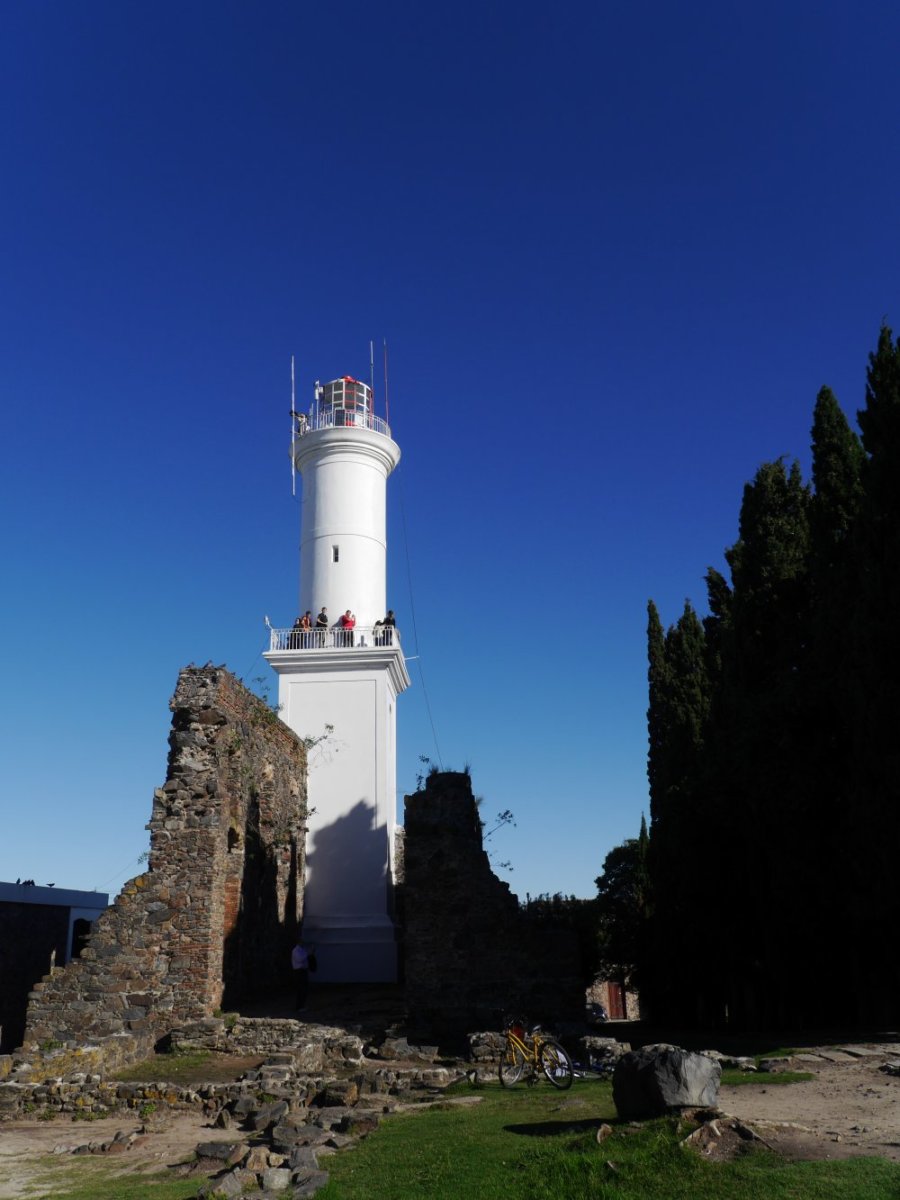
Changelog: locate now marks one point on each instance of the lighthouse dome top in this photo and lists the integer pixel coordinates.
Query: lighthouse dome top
(344, 403)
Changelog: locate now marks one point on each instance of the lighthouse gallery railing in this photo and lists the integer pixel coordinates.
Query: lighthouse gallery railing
(340, 418)
(363, 637)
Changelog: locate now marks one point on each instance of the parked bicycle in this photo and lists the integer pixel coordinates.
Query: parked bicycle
(526, 1054)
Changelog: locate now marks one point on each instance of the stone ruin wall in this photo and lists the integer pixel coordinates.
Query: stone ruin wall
(220, 902)
(470, 954)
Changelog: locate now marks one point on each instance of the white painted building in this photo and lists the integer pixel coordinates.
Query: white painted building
(82, 910)
(347, 679)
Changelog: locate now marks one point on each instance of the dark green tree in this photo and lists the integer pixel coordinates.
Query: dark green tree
(677, 717)
(755, 763)
(623, 899)
(873, 821)
(774, 760)
(837, 463)
(572, 913)
(823, 748)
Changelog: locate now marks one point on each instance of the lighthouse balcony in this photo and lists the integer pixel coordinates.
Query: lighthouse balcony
(339, 418)
(363, 637)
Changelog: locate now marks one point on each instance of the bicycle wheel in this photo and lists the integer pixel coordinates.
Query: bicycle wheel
(512, 1065)
(556, 1064)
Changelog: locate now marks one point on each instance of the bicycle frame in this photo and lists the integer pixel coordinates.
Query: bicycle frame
(535, 1052)
(527, 1044)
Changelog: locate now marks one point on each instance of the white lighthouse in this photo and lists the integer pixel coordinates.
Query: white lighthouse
(347, 676)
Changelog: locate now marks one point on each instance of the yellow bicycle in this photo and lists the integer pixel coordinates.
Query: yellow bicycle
(526, 1054)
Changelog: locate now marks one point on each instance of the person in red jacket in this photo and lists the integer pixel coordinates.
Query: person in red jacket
(348, 624)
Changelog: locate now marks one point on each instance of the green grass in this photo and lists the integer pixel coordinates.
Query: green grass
(525, 1144)
(90, 1180)
(532, 1144)
(765, 1078)
(197, 1066)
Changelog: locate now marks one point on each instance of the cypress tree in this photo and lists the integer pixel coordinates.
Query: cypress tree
(774, 757)
(679, 707)
(837, 461)
(875, 816)
(656, 724)
(757, 760)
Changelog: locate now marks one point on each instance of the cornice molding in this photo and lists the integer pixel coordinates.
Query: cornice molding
(343, 661)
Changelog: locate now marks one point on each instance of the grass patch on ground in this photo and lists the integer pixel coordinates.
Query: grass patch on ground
(534, 1144)
(88, 1180)
(196, 1066)
(766, 1078)
(164, 1067)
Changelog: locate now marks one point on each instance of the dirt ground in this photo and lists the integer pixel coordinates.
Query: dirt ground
(25, 1146)
(849, 1108)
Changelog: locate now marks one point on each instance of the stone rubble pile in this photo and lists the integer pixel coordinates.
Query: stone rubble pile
(290, 1127)
(315, 1095)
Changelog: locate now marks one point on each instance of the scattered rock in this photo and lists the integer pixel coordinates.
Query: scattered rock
(720, 1138)
(267, 1116)
(303, 1157)
(772, 1066)
(257, 1159)
(230, 1153)
(651, 1081)
(308, 1183)
(276, 1179)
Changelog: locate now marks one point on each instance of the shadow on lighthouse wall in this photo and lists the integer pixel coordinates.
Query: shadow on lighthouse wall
(347, 866)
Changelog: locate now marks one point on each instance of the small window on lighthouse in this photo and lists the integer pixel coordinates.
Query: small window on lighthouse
(335, 554)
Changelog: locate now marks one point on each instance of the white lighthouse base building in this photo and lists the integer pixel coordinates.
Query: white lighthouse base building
(348, 903)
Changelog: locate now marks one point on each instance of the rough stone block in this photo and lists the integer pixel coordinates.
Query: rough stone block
(231, 1153)
(303, 1156)
(340, 1092)
(651, 1081)
(358, 1123)
(257, 1160)
(276, 1179)
(268, 1115)
(308, 1183)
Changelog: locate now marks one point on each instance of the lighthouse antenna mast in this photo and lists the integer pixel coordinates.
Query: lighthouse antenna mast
(387, 406)
(372, 369)
(293, 432)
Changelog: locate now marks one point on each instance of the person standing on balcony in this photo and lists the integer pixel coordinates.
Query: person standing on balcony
(305, 627)
(321, 627)
(390, 624)
(348, 624)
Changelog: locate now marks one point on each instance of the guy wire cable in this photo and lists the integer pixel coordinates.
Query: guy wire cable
(412, 612)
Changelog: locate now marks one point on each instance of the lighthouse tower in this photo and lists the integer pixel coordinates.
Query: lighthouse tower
(346, 678)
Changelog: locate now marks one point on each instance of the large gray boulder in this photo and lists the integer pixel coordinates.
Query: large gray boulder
(651, 1081)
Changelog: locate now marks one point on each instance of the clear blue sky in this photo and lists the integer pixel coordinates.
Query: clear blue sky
(615, 251)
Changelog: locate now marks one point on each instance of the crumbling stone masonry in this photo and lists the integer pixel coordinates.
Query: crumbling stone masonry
(214, 916)
(470, 953)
